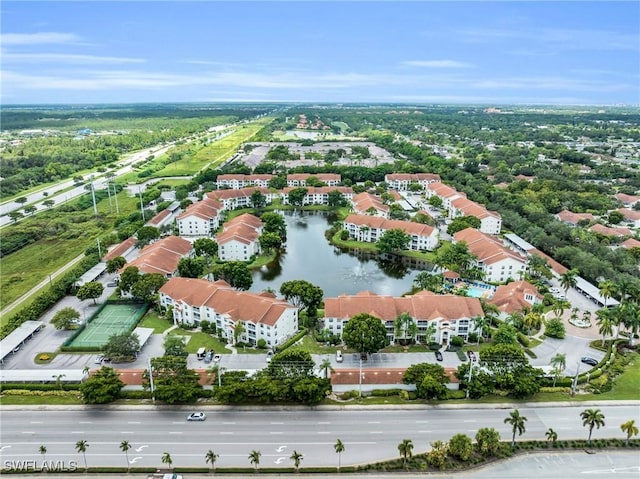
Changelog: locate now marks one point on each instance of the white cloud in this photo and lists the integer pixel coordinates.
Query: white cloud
(68, 58)
(37, 38)
(436, 64)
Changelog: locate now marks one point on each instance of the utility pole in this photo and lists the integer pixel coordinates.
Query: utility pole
(99, 250)
(469, 377)
(141, 204)
(153, 391)
(574, 384)
(93, 195)
(360, 374)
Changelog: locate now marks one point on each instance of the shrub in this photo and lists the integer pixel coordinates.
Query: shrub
(349, 395)
(473, 338)
(457, 341)
(555, 328)
(385, 392)
(523, 339)
(434, 346)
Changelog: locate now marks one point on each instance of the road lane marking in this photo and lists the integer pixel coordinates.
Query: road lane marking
(228, 433)
(373, 422)
(422, 422)
(85, 422)
(324, 422)
(133, 422)
(375, 432)
(324, 432)
(77, 432)
(424, 432)
(177, 422)
(469, 420)
(175, 432)
(276, 432)
(228, 423)
(276, 423)
(126, 432)
(37, 422)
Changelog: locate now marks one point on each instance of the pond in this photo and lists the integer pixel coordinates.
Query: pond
(308, 255)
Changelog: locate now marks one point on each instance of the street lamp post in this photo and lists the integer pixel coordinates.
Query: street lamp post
(153, 391)
(360, 374)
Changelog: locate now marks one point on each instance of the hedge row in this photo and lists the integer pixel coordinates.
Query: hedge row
(292, 341)
(45, 300)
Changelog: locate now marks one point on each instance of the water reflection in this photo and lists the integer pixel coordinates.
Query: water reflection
(309, 256)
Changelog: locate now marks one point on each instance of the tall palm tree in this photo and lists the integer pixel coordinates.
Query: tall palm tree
(405, 448)
(339, 448)
(517, 424)
(124, 447)
(404, 328)
(81, 447)
(211, 458)
(531, 321)
(559, 362)
(552, 436)
(481, 324)
(607, 289)
(166, 459)
(325, 366)
(296, 457)
(605, 323)
(254, 458)
(43, 450)
(568, 280)
(630, 428)
(592, 418)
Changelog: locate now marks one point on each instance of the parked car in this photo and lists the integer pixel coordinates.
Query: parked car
(216, 358)
(196, 416)
(439, 356)
(98, 359)
(589, 361)
(208, 357)
(339, 356)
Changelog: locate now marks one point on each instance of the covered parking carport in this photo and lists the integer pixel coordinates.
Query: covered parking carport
(17, 337)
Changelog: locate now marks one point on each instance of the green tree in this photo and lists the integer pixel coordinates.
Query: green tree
(81, 448)
(270, 241)
(559, 363)
(43, 450)
(463, 222)
(147, 287)
(205, 247)
(278, 183)
(517, 422)
(174, 345)
(15, 215)
(592, 418)
(258, 200)
(325, 366)
(429, 281)
(607, 290)
(405, 329)
(630, 429)
(65, 318)
(274, 223)
(551, 436)
(339, 448)
(291, 363)
(146, 234)
(114, 264)
(539, 267)
(430, 380)
(48, 203)
(173, 381)
(22, 200)
(437, 456)
(568, 280)
(435, 201)
(505, 334)
(128, 278)
(302, 294)
(122, 346)
(103, 386)
(393, 241)
(191, 267)
(461, 447)
(405, 448)
(488, 441)
(296, 457)
(365, 333)
(92, 290)
(297, 195)
(555, 328)
(236, 273)
(605, 322)
(211, 458)
(336, 199)
(166, 459)
(254, 458)
(125, 446)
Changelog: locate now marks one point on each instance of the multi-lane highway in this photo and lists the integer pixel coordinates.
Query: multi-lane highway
(368, 435)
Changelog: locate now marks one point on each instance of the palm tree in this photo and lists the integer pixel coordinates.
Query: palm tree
(404, 329)
(630, 428)
(568, 280)
(81, 447)
(481, 324)
(166, 459)
(532, 321)
(605, 322)
(43, 450)
(211, 457)
(607, 289)
(552, 436)
(559, 362)
(517, 424)
(296, 457)
(325, 366)
(405, 448)
(592, 418)
(339, 448)
(254, 458)
(124, 447)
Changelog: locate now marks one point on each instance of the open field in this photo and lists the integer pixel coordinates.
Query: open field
(215, 153)
(199, 340)
(153, 320)
(28, 266)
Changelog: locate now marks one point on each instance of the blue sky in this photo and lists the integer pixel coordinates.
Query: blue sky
(348, 51)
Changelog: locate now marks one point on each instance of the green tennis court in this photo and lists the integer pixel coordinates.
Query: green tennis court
(111, 319)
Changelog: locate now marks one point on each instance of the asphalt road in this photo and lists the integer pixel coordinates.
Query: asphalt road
(368, 435)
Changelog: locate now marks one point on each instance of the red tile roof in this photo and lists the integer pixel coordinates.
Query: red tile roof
(510, 297)
(409, 227)
(121, 249)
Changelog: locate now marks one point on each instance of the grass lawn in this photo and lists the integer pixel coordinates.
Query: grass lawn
(308, 343)
(412, 348)
(153, 320)
(17, 400)
(197, 340)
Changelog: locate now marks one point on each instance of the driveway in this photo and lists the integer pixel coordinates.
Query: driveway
(574, 348)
